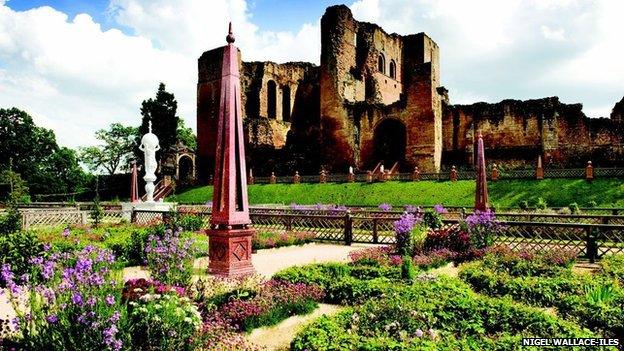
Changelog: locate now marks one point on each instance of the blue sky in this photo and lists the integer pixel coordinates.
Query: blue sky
(275, 15)
(90, 66)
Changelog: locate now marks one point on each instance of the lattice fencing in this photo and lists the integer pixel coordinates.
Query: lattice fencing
(587, 235)
(52, 218)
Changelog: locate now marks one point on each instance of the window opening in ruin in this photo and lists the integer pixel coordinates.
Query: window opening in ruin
(392, 69)
(271, 99)
(381, 63)
(286, 104)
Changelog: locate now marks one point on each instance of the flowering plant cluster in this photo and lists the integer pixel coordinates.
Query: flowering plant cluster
(269, 240)
(134, 289)
(218, 334)
(529, 263)
(383, 255)
(275, 301)
(170, 257)
(163, 322)
(386, 207)
(440, 209)
(68, 300)
(482, 226)
(403, 228)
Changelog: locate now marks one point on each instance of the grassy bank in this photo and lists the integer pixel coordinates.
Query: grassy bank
(504, 193)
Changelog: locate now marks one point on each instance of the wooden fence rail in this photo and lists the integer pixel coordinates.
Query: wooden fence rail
(591, 236)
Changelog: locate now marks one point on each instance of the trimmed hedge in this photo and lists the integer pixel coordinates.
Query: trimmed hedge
(431, 315)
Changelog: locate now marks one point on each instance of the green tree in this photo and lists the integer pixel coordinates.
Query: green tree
(46, 167)
(186, 136)
(162, 113)
(115, 151)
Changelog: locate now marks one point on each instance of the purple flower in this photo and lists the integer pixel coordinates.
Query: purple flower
(110, 300)
(52, 319)
(66, 232)
(440, 209)
(405, 224)
(385, 207)
(77, 299)
(412, 209)
(419, 333)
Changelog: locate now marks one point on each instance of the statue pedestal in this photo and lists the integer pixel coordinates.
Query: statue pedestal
(128, 207)
(230, 252)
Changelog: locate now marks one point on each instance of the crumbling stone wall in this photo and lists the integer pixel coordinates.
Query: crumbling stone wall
(516, 132)
(267, 123)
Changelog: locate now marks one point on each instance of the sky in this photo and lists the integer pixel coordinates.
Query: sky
(78, 65)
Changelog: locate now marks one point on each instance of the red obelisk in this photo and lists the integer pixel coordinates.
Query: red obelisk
(481, 198)
(230, 234)
(134, 187)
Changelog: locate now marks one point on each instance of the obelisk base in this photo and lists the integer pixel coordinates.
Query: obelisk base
(230, 252)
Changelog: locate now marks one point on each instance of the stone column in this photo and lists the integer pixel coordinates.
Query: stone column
(351, 176)
(453, 174)
(494, 173)
(589, 171)
(481, 195)
(369, 176)
(272, 179)
(250, 177)
(230, 233)
(539, 171)
(323, 177)
(296, 178)
(416, 174)
(134, 186)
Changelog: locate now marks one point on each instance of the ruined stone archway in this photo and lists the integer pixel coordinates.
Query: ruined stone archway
(186, 169)
(390, 140)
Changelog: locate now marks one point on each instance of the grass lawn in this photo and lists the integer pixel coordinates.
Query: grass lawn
(503, 193)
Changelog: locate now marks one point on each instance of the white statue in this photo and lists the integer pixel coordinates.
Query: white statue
(149, 146)
(381, 169)
(350, 170)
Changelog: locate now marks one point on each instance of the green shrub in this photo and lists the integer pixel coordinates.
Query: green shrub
(10, 222)
(527, 263)
(592, 204)
(538, 291)
(97, 213)
(17, 248)
(320, 274)
(606, 318)
(524, 205)
(574, 208)
(408, 271)
(432, 219)
(432, 315)
(612, 266)
(190, 223)
(163, 322)
(541, 204)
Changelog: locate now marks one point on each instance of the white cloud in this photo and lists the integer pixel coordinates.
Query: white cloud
(75, 78)
(553, 34)
(519, 48)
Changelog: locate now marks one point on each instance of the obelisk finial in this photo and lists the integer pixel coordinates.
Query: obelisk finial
(149, 125)
(230, 37)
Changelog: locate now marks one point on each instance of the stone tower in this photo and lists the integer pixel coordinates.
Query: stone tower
(380, 95)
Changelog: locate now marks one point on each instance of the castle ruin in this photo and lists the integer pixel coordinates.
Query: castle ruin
(377, 97)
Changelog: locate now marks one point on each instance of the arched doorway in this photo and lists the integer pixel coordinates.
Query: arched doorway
(185, 170)
(389, 142)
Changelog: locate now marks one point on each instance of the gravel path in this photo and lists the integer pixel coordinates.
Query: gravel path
(278, 337)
